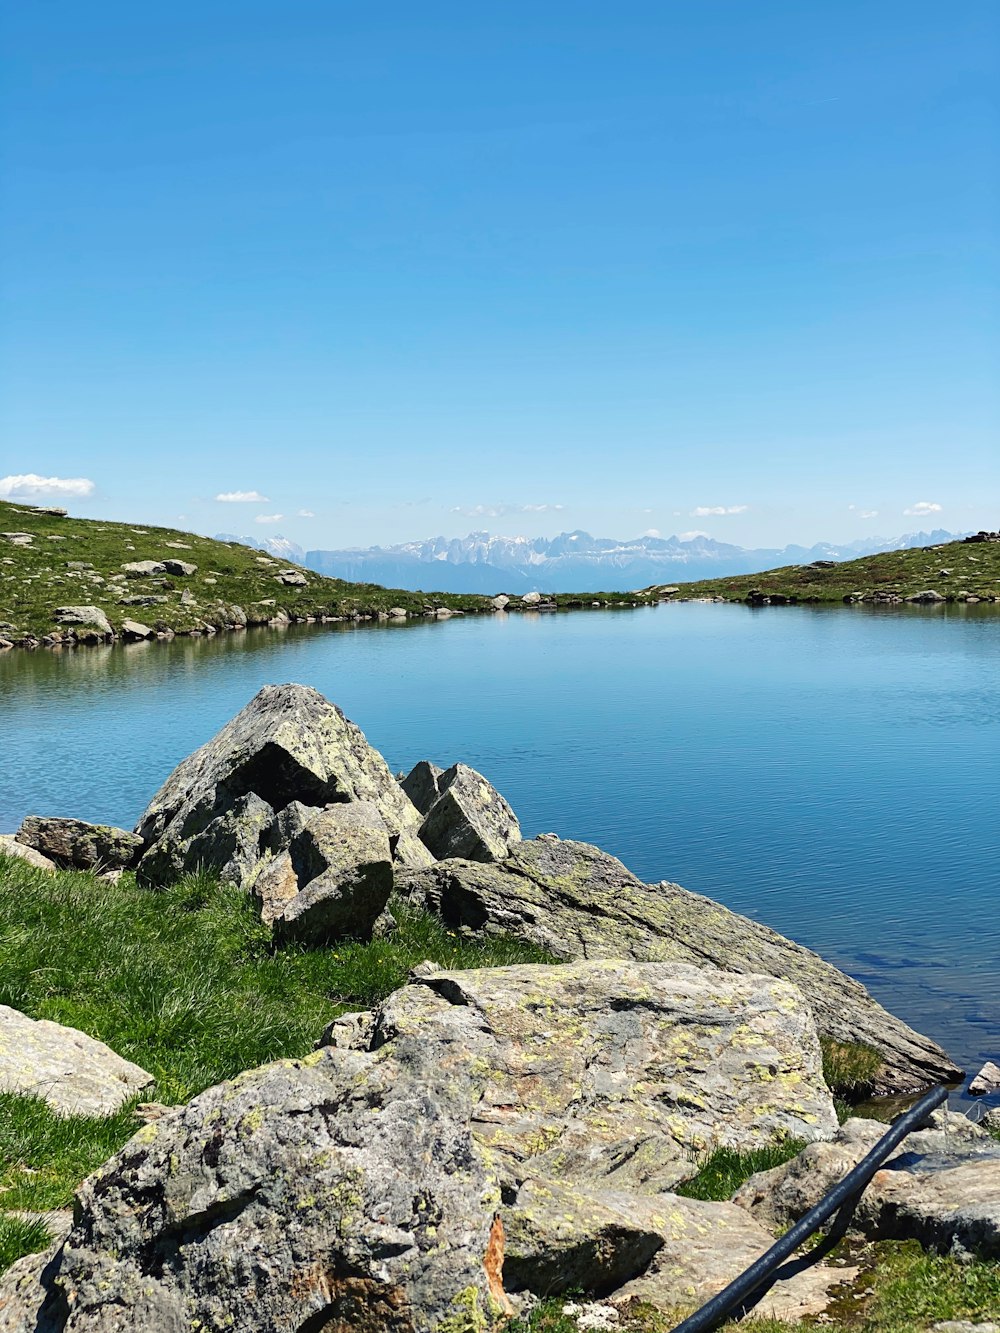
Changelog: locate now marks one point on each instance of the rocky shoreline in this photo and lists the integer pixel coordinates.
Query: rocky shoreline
(484, 1138)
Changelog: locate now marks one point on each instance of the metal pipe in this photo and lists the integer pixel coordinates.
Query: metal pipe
(746, 1290)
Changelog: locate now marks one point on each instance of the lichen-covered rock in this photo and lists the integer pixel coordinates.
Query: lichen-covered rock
(9, 846)
(75, 844)
(228, 839)
(578, 902)
(621, 1072)
(370, 1186)
(91, 617)
(941, 1187)
(423, 784)
(288, 744)
(343, 867)
(469, 819)
(339, 1192)
(74, 1073)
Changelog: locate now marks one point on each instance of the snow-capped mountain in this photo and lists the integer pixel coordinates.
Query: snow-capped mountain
(278, 546)
(576, 561)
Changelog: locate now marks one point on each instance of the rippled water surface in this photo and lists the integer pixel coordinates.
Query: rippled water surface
(832, 772)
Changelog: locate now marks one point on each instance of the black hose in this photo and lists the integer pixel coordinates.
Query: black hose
(746, 1290)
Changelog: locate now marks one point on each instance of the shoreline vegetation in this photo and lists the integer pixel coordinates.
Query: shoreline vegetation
(68, 581)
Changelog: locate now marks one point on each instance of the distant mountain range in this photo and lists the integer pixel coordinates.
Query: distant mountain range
(571, 562)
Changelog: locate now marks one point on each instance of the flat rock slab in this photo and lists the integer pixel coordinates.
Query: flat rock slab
(75, 844)
(75, 1074)
(88, 616)
(578, 902)
(617, 1071)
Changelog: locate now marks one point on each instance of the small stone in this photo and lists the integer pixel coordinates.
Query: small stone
(9, 846)
(986, 1081)
(135, 629)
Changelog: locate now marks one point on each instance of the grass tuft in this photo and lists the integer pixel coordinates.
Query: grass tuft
(849, 1068)
(18, 1238)
(723, 1171)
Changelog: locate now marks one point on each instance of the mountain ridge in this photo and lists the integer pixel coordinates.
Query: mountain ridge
(575, 561)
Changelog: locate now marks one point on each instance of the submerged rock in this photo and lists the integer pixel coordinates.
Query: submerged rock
(75, 1074)
(75, 844)
(578, 902)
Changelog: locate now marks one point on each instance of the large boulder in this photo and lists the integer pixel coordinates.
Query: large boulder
(74, 1073)
(369, 1187)
(469, 818)
(942, 1186)
(618, 1072)
(578, 902)
(423, 784)
(75, 844)
(89, 617)
(342, 868)
(339, 1192)
(288, 744)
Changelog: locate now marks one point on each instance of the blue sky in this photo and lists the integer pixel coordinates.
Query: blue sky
(419, 269)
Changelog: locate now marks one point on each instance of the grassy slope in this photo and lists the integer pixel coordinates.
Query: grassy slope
(35, 580)
(974, 571)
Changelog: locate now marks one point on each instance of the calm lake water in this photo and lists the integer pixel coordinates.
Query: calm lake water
(831, 772)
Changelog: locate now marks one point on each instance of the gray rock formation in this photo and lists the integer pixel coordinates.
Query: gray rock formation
(87, 616)
(219, 807)
(942, 1187)
(423, 784)
(987, 1081)
(75, 844)
(180, 568)
(9, 846)
(342, 868)
(74, 1073)
(370, 1188)
(339, 1192)
(141, 569)
(135, 630)
(617, 1072)
(578, 902)
(469, 819)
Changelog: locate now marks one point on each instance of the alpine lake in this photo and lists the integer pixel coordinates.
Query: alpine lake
(833, 772)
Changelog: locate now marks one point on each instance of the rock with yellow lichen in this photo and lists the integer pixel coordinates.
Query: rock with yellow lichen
(370, 1186)
(578, 902)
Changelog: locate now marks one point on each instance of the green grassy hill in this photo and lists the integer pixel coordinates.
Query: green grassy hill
(956, 572)
(50, 562)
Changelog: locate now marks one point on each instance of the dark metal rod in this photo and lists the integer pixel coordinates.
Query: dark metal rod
(748, 1285)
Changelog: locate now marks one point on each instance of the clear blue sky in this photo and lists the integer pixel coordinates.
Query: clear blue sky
(423, 268)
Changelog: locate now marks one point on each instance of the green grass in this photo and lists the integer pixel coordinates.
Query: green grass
(36, 580)
(849, 1068)
(974, 571)
(723, 1171)
(184, 982)
(18, 1238)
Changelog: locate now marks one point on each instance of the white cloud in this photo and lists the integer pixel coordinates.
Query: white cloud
(29, 483)
(241, 498)
(499, 510)
(652, 532)
(690, 536)
(269, 518)
(869, 513)
(703, 511)
(305, 513)
(921, 508)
